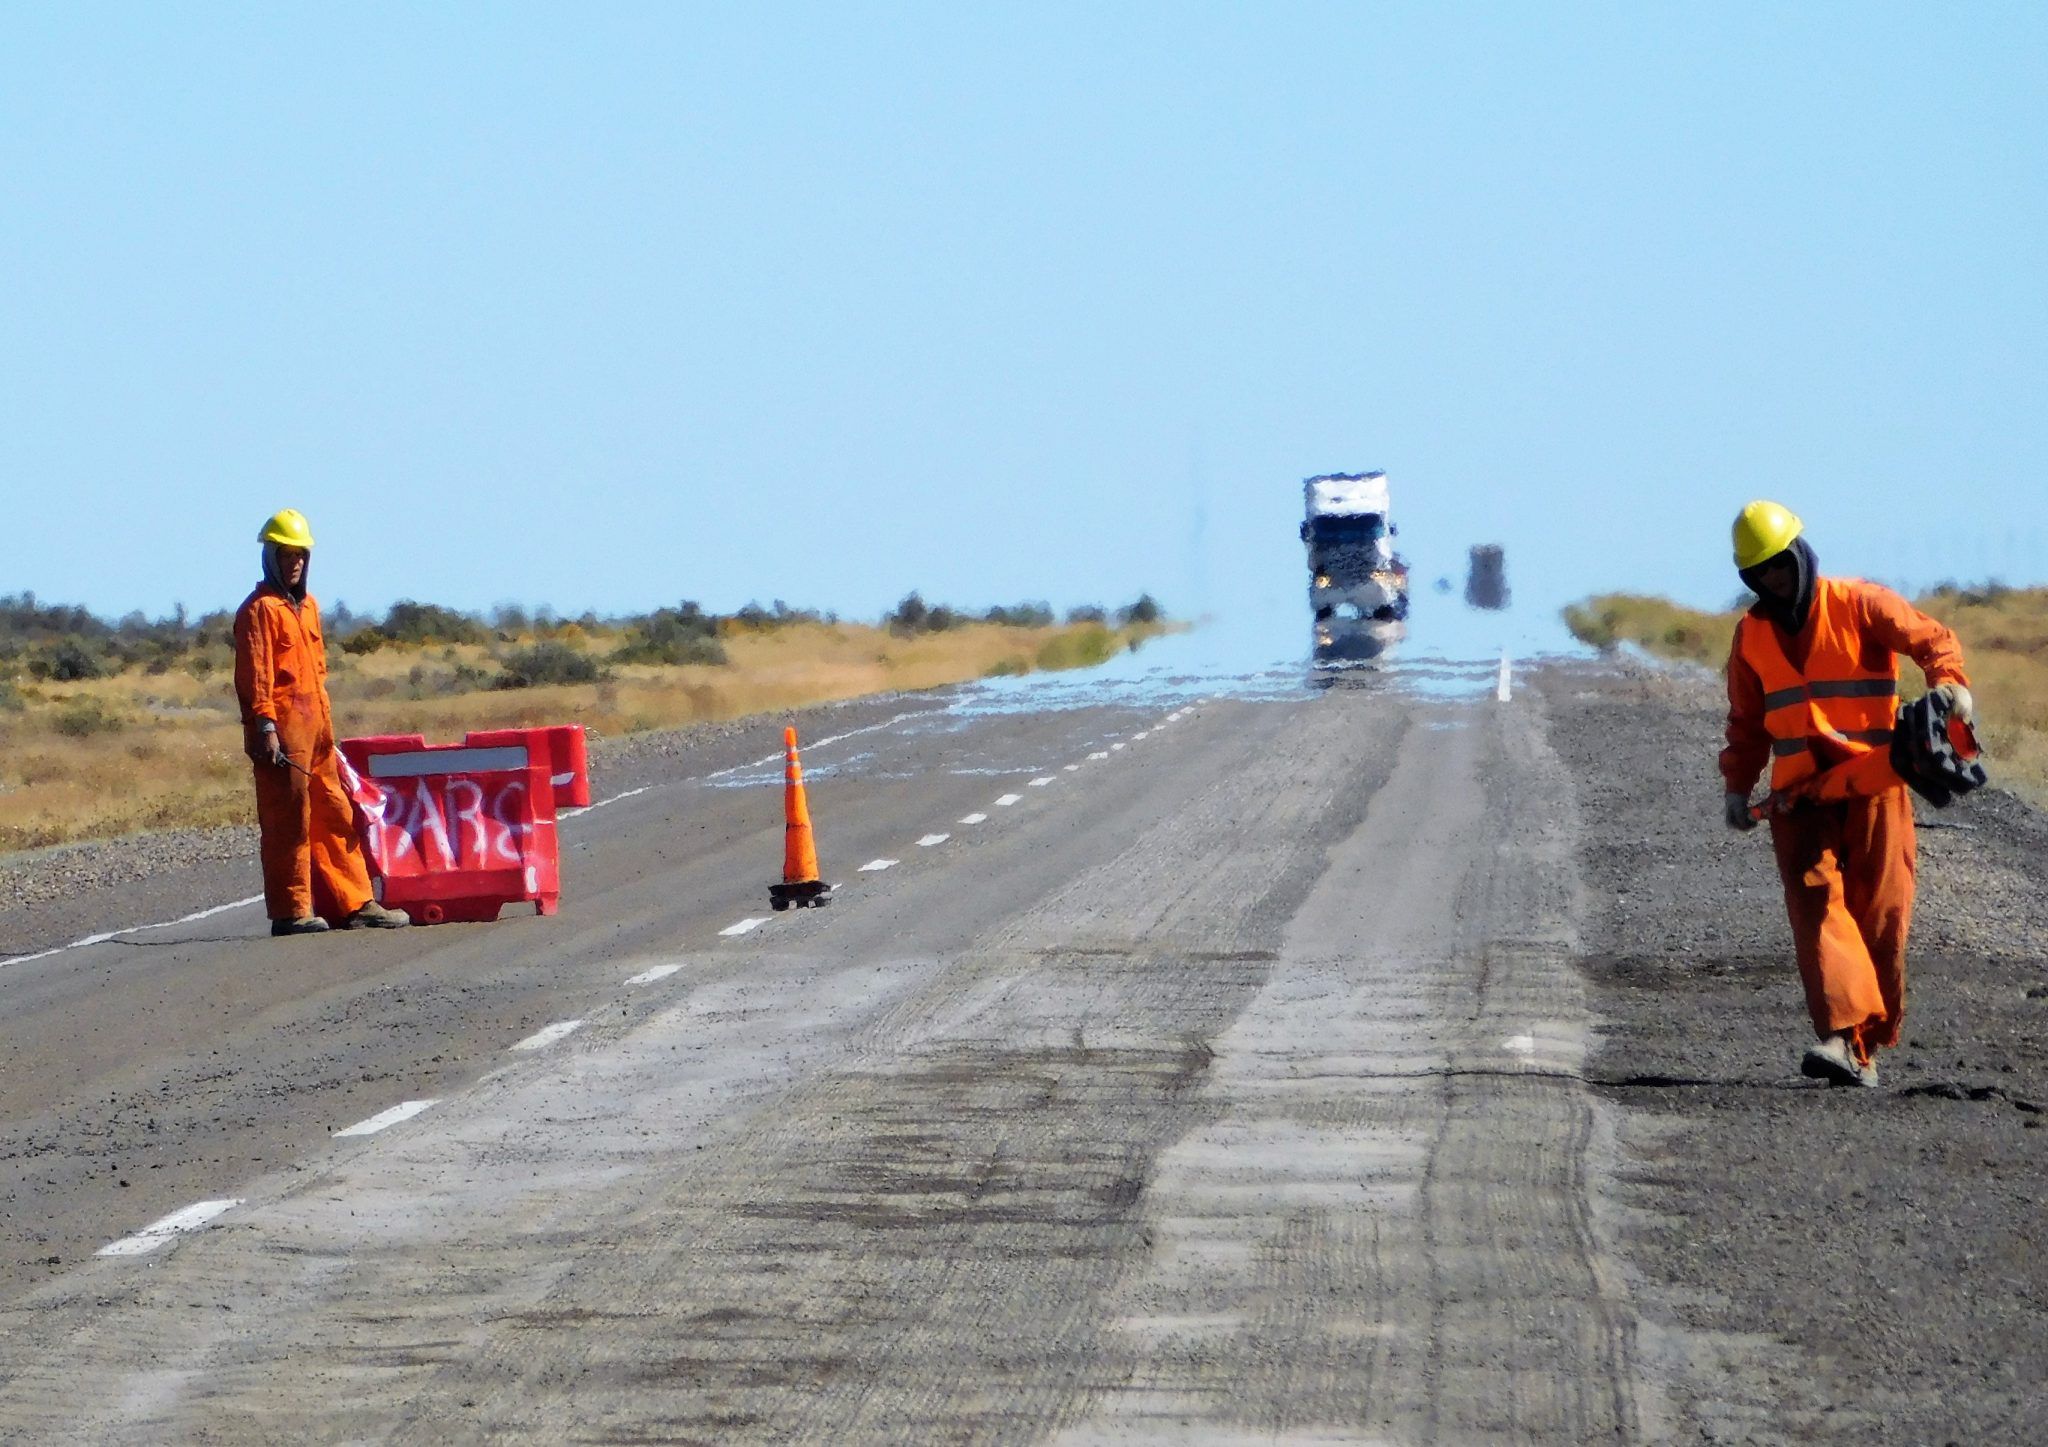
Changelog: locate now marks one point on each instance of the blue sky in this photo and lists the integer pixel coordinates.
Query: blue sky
(603, 306)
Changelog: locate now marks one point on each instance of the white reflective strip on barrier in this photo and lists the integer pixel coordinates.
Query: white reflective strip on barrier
(422, 762)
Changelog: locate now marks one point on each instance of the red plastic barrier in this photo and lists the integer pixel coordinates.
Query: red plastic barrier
(458, 831)
(570, 771)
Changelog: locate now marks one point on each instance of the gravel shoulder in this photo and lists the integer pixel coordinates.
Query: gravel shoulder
(1811, 1264)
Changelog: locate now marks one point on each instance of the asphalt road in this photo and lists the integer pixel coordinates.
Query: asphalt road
(1233, 1069)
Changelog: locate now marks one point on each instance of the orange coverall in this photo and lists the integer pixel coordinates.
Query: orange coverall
(1847, 867)
(312, 861)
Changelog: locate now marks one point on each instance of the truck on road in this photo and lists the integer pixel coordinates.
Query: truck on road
(1358, 584)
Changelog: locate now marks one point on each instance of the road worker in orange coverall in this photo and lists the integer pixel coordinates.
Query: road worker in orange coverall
(313, 869)
(1813, 682)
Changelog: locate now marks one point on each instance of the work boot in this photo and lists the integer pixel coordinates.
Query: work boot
(311, 924)
(374, 916)
(1834, 1060)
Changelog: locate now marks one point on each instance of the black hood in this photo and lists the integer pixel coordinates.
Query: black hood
(273, 573)
(1789, 616)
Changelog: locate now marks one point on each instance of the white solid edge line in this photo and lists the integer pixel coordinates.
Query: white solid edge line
(875, 866)
(974, 819)
(1039, 783)
(135, 929)
(1007, 800)
(587, 808)
(385, 1119)
(648, 977)
(744, 926)
(549, 1034)
(157, 1233)
(931, 839)
(778, 756)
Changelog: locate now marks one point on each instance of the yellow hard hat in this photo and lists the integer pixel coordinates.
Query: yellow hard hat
(288, 529)
(1764, 530)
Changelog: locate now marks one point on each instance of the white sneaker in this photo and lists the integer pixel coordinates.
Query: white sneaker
(1833, 1061)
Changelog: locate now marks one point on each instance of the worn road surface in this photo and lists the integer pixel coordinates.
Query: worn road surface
(1266, 1066)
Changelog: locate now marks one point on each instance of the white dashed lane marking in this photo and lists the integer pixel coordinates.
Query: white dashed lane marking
(659, 972)
(930, 839)
(1098, 754)
(1039, 783)
(744, 926)
(549, 1034)
(1007, 800)
(158, 1233)
(1070, 768)
(875, 866)
(1116, 746)
(385, 1119)
(1145, 734)
(975, 819)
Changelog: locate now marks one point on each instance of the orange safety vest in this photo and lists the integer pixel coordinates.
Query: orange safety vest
(1840, 705)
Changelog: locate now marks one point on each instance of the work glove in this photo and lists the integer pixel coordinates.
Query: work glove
(263, 746)
(1960, 704)
(1735, 809)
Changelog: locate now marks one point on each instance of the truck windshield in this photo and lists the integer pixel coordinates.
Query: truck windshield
(1360, 528)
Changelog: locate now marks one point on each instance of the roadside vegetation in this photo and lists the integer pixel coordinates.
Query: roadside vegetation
(2005, 643)
(107, 728)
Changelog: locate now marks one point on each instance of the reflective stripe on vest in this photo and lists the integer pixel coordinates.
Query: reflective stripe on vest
(1841, 704)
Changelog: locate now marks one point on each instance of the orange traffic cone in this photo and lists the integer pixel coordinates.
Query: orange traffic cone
(800, 883)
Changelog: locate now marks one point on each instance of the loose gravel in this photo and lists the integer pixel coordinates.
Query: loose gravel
(1814, 1264)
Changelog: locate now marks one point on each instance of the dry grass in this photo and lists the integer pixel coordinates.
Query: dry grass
(2005, 644)
(102, 757)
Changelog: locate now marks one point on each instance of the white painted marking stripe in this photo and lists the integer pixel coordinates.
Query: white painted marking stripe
(385, 1119)
(1520, 1044)
(1039, 783)
(587, 808)
(1116, 746)
(1072, 767)
(974, 819)
(1099, 754)
(1007, 800)
(648, 977)
(105, 935)
(743, 927)
(876, 866)
(777, 756)
(1500, 691)
(930, 839)
(157, 1233)
(1141, 734)
(549, 1034)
